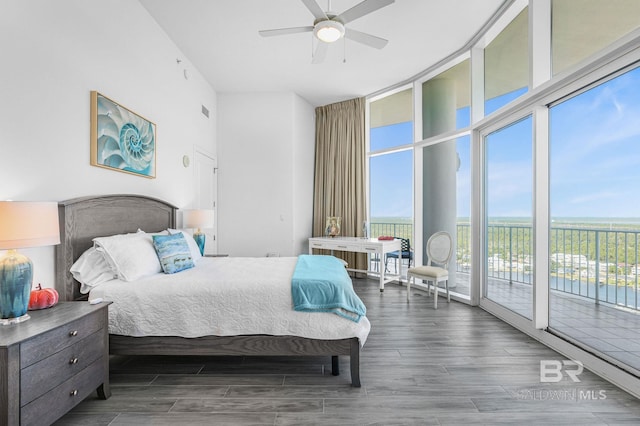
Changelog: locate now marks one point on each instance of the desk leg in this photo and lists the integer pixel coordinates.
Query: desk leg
(381, 255)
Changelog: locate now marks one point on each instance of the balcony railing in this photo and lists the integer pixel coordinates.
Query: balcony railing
(399, 230)
(598, 264)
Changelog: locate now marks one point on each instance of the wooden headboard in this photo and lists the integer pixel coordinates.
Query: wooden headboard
(82, 219)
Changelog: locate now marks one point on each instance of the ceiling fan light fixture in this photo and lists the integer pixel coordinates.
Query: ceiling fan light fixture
(328, 31)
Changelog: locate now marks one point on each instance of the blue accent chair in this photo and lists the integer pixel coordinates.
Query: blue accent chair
(406, 253)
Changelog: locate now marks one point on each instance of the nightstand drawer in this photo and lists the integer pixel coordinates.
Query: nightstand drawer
(47, 344)
(65, 396)
(48, 373)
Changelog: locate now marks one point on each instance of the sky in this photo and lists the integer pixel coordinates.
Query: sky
(594, 159)
(595, 151)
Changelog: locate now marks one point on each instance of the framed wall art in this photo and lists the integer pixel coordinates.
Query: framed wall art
(121, 139)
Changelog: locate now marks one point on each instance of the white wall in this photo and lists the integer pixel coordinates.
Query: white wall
(53, 53)
(303, 175)
(265, 175)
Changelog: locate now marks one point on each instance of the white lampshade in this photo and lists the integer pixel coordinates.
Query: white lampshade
(197, 218)
(28, 224)
(22, 224)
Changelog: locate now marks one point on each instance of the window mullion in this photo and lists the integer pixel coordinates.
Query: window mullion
(541, 221)
(539, 42)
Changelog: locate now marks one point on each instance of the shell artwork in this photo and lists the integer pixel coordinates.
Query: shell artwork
(137, 145)
(125, 140)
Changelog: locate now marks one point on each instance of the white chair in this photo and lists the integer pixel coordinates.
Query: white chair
(439, 251)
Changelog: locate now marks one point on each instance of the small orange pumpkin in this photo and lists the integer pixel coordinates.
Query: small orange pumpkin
(42, 298)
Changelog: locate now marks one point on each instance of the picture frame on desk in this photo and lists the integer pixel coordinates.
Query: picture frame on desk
(332, 226)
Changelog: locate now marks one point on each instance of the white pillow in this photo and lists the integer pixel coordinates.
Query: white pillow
(165, 232)
(132, 255)
(193, 246)
(92, 269)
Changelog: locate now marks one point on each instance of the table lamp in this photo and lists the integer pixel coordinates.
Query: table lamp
(198, 218)
(22, 224)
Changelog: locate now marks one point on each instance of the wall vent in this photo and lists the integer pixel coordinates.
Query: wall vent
(205, 111)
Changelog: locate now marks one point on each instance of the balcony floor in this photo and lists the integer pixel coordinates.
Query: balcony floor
(612, 331)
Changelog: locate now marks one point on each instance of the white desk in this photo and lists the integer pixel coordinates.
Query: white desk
(361, 245)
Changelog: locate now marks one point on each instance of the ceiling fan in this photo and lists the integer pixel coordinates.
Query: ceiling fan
(329, 27)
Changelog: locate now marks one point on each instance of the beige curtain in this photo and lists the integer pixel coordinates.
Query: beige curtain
(339, 188)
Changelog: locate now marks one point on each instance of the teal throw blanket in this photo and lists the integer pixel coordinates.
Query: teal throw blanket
(322, 284)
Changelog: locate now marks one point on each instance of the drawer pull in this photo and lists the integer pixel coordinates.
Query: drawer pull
(73, 333)
(73, 392)
(342, 247)
(370, 249)
(73, 360)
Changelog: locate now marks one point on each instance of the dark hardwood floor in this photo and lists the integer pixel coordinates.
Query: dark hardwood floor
(452, 366)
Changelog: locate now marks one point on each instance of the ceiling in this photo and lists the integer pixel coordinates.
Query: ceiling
(220, 38)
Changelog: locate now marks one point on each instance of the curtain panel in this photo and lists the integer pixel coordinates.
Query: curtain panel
(339, 187)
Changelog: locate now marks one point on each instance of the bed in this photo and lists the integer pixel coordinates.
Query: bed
(83, 219)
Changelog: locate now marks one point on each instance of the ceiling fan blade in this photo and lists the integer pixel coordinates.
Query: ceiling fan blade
(364, 38)
(315, 9)
(361, 9)
(284, 31)
(320, 53)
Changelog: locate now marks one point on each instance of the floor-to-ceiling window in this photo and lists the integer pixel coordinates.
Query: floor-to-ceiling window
(391, 170)
(446, 167)
(595, 211)
(502, 165)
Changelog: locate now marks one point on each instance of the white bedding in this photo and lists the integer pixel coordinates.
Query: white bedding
(221, 296)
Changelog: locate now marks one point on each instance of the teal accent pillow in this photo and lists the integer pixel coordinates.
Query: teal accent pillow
(173, 253)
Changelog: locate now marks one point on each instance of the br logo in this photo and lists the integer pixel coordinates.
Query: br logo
(552, 371)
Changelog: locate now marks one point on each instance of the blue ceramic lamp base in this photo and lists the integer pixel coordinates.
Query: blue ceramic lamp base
(16, 274)
(200, 237)
(9, 321)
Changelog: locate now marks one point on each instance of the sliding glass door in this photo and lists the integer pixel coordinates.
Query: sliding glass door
(595, 218)
(509, 217)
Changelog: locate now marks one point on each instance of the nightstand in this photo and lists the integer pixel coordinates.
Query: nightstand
(53, 361)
